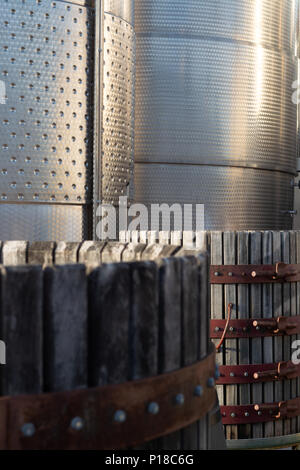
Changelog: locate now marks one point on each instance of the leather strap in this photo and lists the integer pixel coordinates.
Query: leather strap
(255, 327)
(263, 413)
(112, 416)
(254, 274)
(257, 373)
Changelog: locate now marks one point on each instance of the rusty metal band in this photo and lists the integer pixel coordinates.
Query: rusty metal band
(112, 416)
(263, 413)
(254, 274)
(257, 373)
(255, 327)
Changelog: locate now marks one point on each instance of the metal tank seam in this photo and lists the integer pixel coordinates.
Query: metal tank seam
(200, 37)
(276, 169)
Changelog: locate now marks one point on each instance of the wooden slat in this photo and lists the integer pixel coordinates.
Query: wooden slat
(188, 239)
(135, 236)
(41, 253)
(293, 290)
(143, 237)
(170, 330)
(278, 341)
(133, 252)
(14, 253)
(65, 328)
(21, 307)
(287, 312)
(205, 438)
(164, 238)
(190, 334)
(298, 310)
(144, 324)
(156, 250)
(112, 252)
(176, 238)
(202, 241)
(217, 303)
(244, 431)
(267, 312)
(152, 236)
(255, 312)
(109, 313)
(90, 254)
(231, 354)
(66, 253)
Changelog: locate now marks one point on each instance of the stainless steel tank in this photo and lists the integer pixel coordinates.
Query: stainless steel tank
(114, 133)
(46, 65)
(214, 117)
(47, 75)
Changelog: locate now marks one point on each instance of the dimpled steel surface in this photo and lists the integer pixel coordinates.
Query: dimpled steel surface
(46, 53)
(214, 114)
(118, 104)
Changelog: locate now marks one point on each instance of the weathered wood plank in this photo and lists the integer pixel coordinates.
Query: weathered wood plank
(170, 292)
(267, 312)
(293, 291)
(156, 250)
(112, 252)
(66, 252)
(286, 299)
(231, 354)
(189, 239)
(109, 313)
(176, 238)
(21, 306)
(243, 246)
(205, 432)
(133, 252)
(135, 236)
(14, 253)
(298, 310)
(256, 312)
(217, 299)
(41, 253)
(90, 254)
(190, 334)
(65, 328)
(164, 238)
(143, 237)
(202, 241)
(144, 324)
(277, 312)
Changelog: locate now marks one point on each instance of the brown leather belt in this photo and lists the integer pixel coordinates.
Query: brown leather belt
(252, 414)
(257, 373)
(254, 274)
(255, 327)
(112, 416)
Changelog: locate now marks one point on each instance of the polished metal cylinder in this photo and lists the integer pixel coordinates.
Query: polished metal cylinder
(46, 68)
(117, 103)
(49, 170)
(215, 123)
